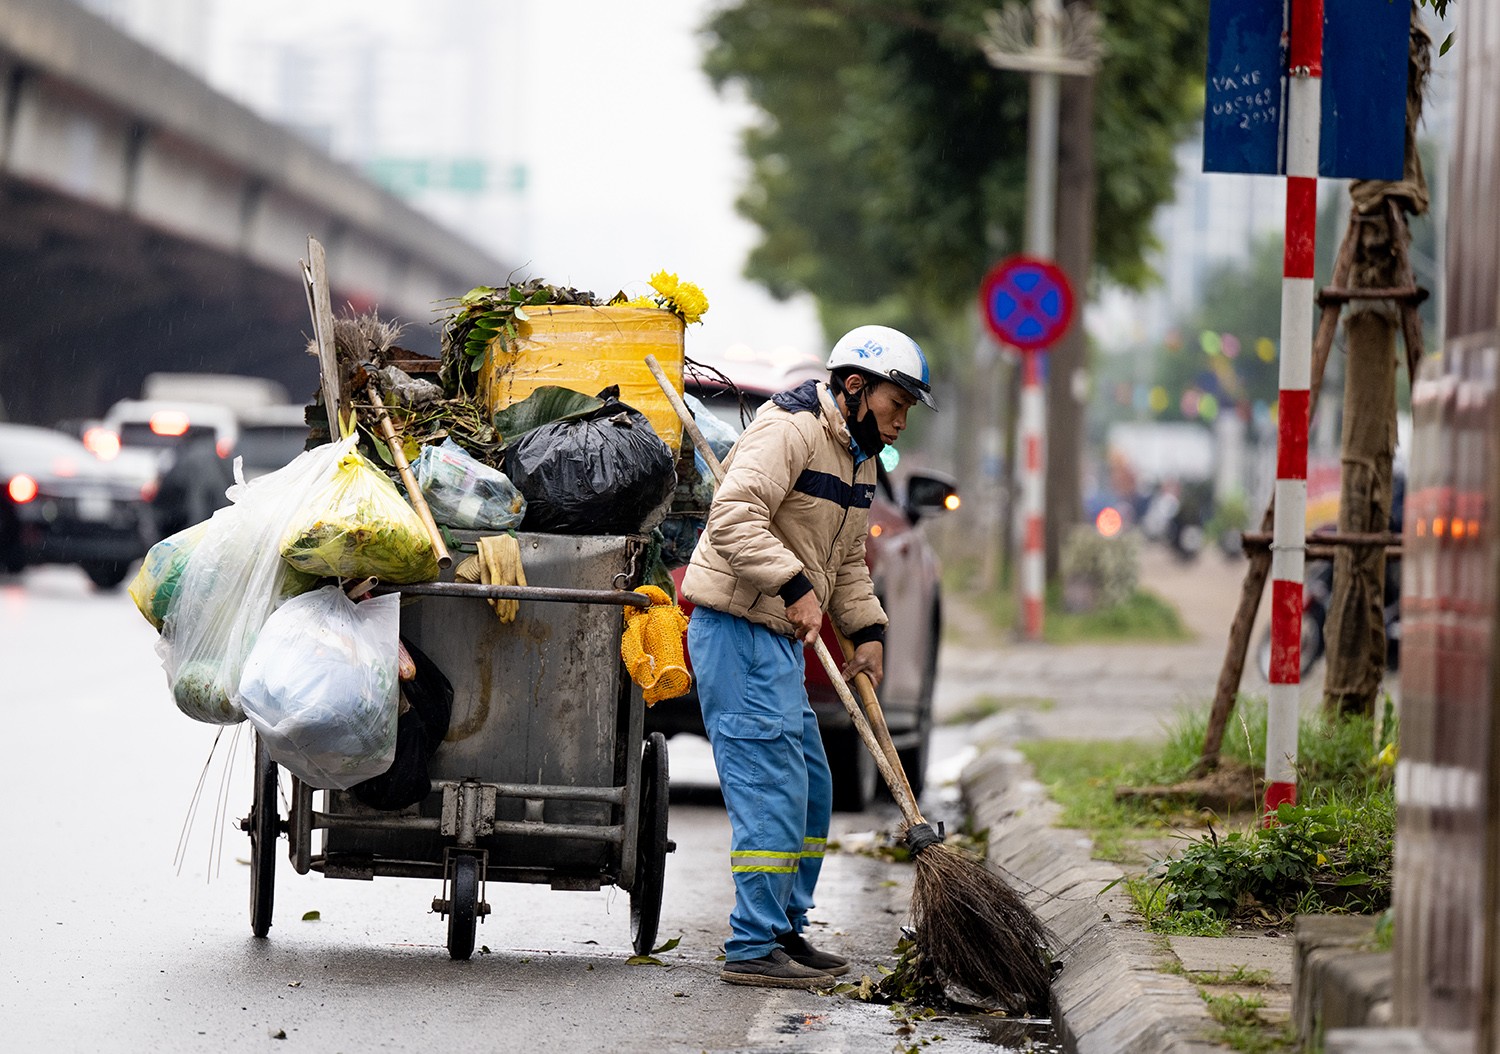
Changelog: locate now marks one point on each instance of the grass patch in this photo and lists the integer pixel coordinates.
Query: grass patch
(1242, 1027)
(1143, 616)
(1331, 852)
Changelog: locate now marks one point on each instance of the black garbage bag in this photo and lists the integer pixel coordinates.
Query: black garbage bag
(419, 732)
(603, 473)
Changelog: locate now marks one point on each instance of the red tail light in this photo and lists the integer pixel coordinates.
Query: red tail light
(104, 443)
(21, 489)
(170, 423)
(148, 490)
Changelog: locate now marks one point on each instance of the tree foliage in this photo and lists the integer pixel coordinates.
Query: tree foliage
(889, 166)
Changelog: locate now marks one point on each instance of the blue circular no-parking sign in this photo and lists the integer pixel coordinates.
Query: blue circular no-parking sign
(1026, 302)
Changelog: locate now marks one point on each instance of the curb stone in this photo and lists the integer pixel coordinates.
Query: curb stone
(1112, 996)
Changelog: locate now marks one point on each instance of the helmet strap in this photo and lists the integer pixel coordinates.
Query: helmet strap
(863, 430)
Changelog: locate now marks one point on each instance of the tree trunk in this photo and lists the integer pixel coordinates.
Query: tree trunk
(1354, 632)
(1068, 368)
(1355, 628)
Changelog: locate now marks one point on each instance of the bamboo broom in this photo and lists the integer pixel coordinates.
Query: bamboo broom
(970, 924)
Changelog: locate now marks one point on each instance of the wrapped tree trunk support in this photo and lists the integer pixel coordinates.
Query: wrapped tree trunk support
(1355, 631)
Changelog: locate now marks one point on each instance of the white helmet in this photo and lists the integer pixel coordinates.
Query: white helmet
(886, 354)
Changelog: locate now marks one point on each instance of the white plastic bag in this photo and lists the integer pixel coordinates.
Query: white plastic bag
(320, 686)
(464, 492)
(233, 582)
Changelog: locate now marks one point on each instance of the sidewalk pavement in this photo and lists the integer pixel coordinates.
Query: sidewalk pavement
(1121, 990)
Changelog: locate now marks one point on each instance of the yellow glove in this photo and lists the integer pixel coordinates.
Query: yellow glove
(498, 563)
(652, 647)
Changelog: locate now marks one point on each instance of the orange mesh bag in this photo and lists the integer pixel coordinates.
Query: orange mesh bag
(652, 647)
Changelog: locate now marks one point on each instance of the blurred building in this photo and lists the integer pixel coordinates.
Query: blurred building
(415, 98)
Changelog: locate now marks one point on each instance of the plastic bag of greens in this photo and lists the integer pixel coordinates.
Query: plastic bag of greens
(604, 473)
(359, 525)
(320, 686)
(233, 581)
(155, 584)
(466, 493)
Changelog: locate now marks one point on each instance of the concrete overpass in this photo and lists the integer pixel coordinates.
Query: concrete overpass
(149, 223)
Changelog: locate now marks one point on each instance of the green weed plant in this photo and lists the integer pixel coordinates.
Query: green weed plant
(1331, 852)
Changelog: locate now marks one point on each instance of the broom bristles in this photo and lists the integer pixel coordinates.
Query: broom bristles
(978, 931)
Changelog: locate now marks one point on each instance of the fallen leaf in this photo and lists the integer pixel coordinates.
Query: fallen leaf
(644, 960)
(312, 916)
(674, 942)
(294, 984)
(280, 1033)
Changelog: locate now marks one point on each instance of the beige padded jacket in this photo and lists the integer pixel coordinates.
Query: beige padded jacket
(791, 515)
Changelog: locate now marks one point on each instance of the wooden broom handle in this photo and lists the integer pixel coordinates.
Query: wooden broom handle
(413, 491)
(888, 763)
(876, 715)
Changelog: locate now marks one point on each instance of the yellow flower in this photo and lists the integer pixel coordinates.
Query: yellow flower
(639, 301)
(664, 283)
(690, 302)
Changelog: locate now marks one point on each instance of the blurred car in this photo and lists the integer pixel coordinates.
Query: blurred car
(187, 443)
(906, 576)
(270, 437)
(60, 504)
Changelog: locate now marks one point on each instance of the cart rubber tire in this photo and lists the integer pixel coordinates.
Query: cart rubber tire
(264, 827)
(652, 846)
(463, 898)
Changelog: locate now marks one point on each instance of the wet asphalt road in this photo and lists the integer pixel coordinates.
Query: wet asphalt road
(111, 944)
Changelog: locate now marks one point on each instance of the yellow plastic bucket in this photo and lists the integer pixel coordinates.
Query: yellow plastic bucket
(587, 349)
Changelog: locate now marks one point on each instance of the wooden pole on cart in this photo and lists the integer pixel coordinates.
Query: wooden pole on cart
(413, 490)
(320, 304)
(969, 923)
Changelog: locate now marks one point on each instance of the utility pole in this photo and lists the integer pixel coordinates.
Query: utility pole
(1048, 43)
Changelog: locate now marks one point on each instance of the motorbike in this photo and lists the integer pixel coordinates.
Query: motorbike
(1317, 593)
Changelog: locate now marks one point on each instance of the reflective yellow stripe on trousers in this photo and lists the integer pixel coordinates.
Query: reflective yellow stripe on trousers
(813, 848)
(764, 860)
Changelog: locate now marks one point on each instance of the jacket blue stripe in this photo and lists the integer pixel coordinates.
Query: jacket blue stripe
(832, 488)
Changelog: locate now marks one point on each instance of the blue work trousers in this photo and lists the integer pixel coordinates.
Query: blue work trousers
(772, 771)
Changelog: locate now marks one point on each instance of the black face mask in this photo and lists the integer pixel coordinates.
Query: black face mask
(865, 432)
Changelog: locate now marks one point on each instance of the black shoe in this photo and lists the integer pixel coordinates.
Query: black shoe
(795, 945)
(776, 970)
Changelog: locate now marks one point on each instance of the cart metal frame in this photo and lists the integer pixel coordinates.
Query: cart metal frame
(545, 776)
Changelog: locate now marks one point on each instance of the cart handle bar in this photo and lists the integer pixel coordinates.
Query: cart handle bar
(481, 591)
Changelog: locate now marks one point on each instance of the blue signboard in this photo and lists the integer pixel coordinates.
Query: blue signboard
(1245, 87)
(1363, 131)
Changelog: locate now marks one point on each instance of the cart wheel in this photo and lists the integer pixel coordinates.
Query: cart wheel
(652, 846)
(263, 825)
(463, 896)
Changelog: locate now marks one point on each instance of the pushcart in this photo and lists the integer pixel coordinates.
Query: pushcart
(545, 775)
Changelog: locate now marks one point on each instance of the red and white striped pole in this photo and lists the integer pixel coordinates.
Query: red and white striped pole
(1288, 546)
(1032, 427)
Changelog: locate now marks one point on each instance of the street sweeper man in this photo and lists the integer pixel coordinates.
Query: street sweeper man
(785, 541)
